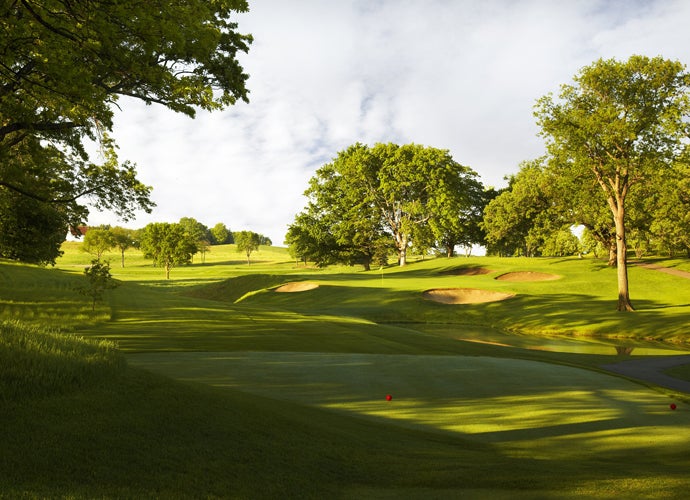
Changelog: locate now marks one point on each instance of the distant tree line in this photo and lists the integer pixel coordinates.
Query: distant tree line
(169, 245)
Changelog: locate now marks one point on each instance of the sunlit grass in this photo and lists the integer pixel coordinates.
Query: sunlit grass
(38, 362)
(281, 389)
(478, 398)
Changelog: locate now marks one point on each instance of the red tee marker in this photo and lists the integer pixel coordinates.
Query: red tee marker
(388, 397)
(673, 406)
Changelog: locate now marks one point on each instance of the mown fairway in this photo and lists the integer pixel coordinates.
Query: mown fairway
(234, 390)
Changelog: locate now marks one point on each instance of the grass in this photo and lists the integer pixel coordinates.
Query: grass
(231, 390)
(35, 362)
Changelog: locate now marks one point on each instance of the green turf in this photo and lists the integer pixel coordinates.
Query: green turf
(282, 395)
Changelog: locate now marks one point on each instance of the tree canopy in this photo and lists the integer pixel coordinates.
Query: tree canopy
(63, 67)
(623, 125)
(169, 245)
(247, 242)
(372, 199)
(97, 241)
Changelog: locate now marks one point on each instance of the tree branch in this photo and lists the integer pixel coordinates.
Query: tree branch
(37, 127)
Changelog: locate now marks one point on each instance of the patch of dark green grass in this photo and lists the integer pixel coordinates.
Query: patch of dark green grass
(682, 372)
(138, 435)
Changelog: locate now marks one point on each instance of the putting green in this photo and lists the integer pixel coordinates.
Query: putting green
(528, 407)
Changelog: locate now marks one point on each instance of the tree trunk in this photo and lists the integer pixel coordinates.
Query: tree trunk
(403, 256)
(612, 254)
(123, 258)
(401, 240)
(624, 303)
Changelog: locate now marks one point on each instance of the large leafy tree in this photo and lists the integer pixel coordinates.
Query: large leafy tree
(168, 245)
(63, 67)
(621, 124)
(369, 194)
(341, 224)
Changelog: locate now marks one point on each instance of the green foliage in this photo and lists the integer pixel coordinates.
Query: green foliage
(221, 235)
(387, 191)
(622, 125)
(520, 218)
(123, 239)
(98, 240)
(169, 245)
(62, 70)
(30, 231)
(98, 281)
(247, 242)
(38, 362)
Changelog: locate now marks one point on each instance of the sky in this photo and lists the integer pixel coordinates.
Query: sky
(461, 75)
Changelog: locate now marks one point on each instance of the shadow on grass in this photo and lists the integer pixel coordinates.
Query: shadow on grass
(562, 313)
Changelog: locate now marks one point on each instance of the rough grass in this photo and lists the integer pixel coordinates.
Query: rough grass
(36, 362)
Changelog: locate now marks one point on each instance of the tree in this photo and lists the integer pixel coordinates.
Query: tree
(522, 217)
(669, 207)
(561, 244)
(63, 67)
(345, 225)
(123, 239)
(167, 244)
(220, 234)
(387, 191)
(97, 241)
(457, 219)
(247, 242)
(197, 233)
(623, 123)
(99, 280)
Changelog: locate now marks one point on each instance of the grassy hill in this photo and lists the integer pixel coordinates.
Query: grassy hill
(212, 384)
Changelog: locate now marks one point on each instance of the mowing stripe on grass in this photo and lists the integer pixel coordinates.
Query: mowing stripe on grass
(530, 407)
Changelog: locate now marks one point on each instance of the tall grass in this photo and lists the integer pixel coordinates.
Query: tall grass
(50, 297)
(35, 361)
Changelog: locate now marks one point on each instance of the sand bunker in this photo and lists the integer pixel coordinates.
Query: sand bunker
(464, 295)
(467, 271)
(296, 286)
(527, 276)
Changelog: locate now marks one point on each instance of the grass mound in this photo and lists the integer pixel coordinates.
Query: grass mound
(235, 289)
(467, 271)
(37, 362)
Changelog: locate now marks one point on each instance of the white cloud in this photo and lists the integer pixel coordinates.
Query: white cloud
(461, 75)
